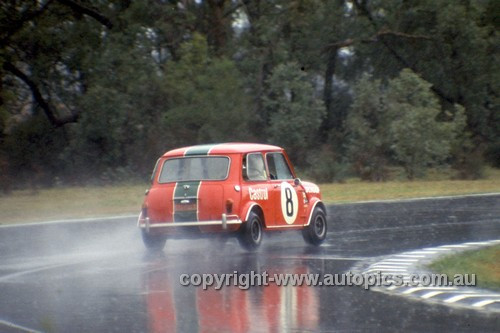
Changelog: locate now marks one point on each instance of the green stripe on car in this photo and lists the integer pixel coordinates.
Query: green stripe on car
(199, 150)
(186, 193)
(186, 189)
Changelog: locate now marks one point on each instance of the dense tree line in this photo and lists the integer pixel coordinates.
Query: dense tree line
(97, 90)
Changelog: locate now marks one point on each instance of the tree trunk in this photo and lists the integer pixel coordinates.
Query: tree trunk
(217, 25)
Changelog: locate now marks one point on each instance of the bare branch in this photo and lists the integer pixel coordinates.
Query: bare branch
(385, 32)
(340, 44)
(37, 95)
(88, 11)
(31, 15)
(375, 38)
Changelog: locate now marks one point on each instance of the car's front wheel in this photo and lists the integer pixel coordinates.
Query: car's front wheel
(250, 235)
(153, 242)
(315, 232)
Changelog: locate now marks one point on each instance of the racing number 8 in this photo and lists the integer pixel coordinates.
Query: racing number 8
(289, 202)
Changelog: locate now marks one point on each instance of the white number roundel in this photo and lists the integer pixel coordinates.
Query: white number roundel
(289, 203)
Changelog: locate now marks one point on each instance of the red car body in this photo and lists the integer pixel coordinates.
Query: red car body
(218, 188)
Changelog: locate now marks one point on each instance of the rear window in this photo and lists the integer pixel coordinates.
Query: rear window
(194, 168)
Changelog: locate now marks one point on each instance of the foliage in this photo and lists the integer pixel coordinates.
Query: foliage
(418, 140)
(368, 139)
(32, 151)
(325, 166)
(296, 113)
(208, 102)
(399, 121)
(467, 159)
(452, 45)
(111, 85)
(118, 129)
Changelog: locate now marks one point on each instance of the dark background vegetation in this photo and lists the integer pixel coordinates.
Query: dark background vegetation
(95, 91)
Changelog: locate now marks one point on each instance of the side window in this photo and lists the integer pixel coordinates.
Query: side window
(154, 170)
(254, 167)
(278, 167)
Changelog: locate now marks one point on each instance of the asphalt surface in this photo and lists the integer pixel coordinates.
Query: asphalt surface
(97, 277)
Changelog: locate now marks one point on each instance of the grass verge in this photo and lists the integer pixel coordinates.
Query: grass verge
(361, 191)
(355, 190)
(71, 203)
(484, 263)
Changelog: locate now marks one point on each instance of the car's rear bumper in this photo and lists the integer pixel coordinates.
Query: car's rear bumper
(145, 223)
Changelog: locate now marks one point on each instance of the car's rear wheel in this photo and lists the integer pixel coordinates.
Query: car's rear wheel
(315, 232)
(153, 242)
(250, 235)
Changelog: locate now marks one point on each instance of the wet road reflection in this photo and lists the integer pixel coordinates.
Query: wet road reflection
(230, 309)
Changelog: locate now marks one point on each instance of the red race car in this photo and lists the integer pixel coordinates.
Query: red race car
(239, 188)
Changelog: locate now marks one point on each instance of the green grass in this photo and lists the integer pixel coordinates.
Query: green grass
(71, 202)
(355, 190)
(484, 263)
(95, 201)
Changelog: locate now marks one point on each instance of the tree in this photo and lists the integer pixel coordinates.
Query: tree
(41, 47)
(418, 139)
(296, 113)
(450, 44)
(367, 139)
(120, 133)
(399, 121)
(121, 82)
(207, 100)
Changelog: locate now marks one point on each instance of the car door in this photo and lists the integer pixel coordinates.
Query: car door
(256, 184)
(288, 197)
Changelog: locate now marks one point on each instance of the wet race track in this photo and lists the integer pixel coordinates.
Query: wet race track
(96, 276)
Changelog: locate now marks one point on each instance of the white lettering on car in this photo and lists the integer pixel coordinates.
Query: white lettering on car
(312, 189)
(258, 193)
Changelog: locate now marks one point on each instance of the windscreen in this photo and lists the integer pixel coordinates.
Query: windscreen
(194, 168)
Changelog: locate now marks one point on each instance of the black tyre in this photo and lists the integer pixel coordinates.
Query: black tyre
(250, 235)
(153, 242)
(315, 232)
